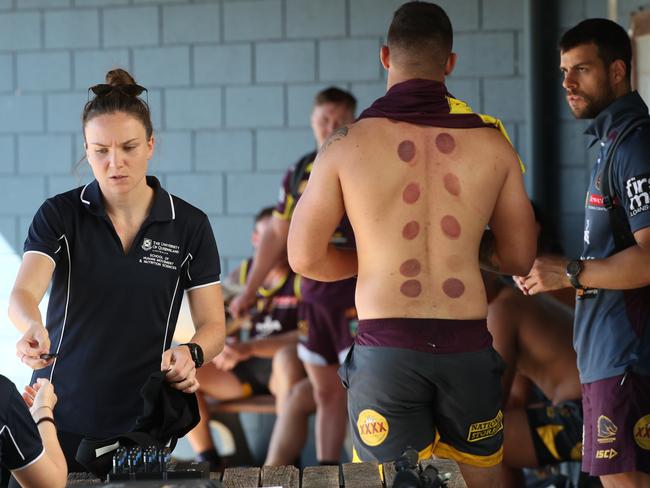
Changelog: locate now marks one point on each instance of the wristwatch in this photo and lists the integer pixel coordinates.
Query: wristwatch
(573, 270)
(196, 352)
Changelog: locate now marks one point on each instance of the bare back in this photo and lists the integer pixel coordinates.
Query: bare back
(419, 199)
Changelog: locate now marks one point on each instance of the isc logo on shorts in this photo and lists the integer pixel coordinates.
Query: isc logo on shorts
(373, 427)
(642, 432)
(483, 430)
(606, 454)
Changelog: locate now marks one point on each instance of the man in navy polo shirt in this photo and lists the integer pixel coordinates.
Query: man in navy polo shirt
(612, 323)
(28, 444)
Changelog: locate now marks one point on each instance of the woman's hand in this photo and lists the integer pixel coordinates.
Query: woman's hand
(40, 398)
(33, 343)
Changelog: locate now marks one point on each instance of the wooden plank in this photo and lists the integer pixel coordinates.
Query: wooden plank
(447, 466)
(389, 474)
(362, 475)
(241, 477)
(320, 477)
(253, 404)
(285, 476)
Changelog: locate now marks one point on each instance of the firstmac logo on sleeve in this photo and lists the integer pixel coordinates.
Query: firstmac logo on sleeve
(638, 191)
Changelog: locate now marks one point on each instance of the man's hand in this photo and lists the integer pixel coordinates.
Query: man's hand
(33, 343)
(233, 354)
(548, 273)
(240, 304)
(179, 368)
(40, 396)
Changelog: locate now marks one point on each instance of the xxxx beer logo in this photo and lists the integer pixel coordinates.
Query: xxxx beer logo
(642, 432)
(373, 427)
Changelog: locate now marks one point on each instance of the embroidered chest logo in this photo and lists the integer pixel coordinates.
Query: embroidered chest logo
(160, 254)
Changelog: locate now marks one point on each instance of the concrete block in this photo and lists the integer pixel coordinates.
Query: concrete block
(222, 64)
(90, 67)
(503, 14)
(7, 155)
(64, 111)
(162, 66)
(315, 18)
(44, 154)
(505, 98)
(132, 26)
(72, 28)
(247, 193)
(196, 108)
(21, 113)
(6, 4)
(231, 264)
(572, 144)
(159, 1)
(20, 31)
(371, 17)
(224, 151)
(285, 61)
(256, 106)
(42, 3)
(172, 153)
(485, 54)
(521, 144)
(349, 59)
(204, 191)
(44, 71)
(467, 90)
(570, 13)
(63, 183)
(366, 93)
(301, 102)
(8, 232)
(99, 3)
(21, 195)
(233, 236)
(23, 226)
(195, 23)
(279, 149)
(240, 24)
(155, 108)
(6, 72)
(464, 15)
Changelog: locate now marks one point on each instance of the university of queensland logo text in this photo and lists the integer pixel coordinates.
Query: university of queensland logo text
(147, 244)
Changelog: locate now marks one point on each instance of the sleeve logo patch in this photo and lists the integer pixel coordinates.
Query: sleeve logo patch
(642, 432)
(373, 427)
(638, 192)
(482, 430)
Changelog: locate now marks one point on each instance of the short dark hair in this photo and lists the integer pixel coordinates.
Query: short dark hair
(336, 95)
(265, 213)
(610, 38)
(117, 101)
(422, 29)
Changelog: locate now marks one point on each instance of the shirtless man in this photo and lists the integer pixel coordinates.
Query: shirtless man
(420, 178)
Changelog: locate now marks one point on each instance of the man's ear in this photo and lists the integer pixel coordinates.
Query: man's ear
(384, 57)
(617, 70)
(450, 64)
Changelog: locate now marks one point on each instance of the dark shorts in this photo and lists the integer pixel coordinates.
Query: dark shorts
(326, 332)
(616, 425)
(446, 404)
(254, 374)
(556, 431)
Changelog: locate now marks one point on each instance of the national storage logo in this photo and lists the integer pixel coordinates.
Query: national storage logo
(483, 430)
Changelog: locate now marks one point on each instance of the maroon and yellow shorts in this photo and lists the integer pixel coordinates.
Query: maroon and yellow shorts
(430, 384)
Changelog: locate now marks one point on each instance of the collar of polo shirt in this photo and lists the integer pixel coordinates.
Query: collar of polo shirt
(161, 211)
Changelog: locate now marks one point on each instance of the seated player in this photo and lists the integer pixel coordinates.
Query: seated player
(246, 367)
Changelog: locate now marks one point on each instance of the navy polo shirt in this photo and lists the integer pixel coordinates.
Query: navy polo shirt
(612, 327)
(20, 442)
(112, 314)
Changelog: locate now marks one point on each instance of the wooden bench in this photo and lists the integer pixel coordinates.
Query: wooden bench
(252, 404)
(350, 475)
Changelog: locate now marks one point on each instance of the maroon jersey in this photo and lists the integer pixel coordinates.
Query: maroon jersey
(276, 309)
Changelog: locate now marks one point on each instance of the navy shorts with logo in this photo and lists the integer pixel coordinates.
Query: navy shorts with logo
(254, 375)
(556, 431)
(444, 403)
(617, 425)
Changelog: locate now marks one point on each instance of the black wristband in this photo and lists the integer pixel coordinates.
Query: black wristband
(46, 419)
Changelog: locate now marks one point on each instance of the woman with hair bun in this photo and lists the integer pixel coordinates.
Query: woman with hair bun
(119, 252)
